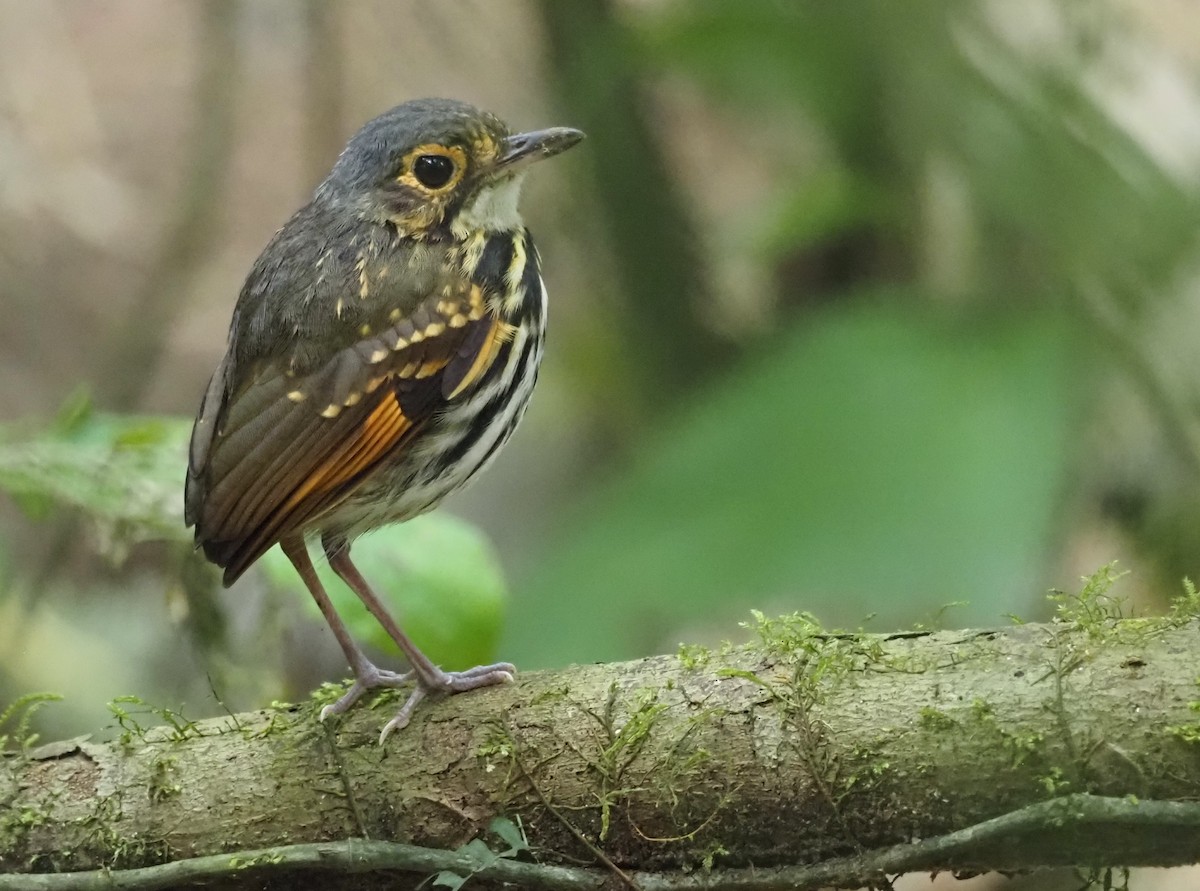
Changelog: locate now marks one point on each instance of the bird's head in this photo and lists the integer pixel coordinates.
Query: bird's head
(437, 167)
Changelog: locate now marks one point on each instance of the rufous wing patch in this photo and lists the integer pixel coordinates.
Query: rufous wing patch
(375, 437)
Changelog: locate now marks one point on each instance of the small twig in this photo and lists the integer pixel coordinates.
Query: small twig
(351, 800)
(355, 856)
(352, 856)
(212, 688)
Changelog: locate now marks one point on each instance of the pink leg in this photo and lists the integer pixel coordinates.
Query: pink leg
(367, 676)
(430, 678)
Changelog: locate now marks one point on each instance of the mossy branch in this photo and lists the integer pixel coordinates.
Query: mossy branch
(810, 759)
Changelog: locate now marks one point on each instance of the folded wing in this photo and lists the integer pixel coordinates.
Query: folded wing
(272, 452)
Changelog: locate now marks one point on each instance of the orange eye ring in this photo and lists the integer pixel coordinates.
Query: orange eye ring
(434, 168)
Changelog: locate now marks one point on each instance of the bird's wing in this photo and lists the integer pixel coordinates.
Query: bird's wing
(274, 450)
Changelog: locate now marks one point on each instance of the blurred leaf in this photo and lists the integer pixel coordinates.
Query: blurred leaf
(875, 462)
(887, 87)
(439, 575)
(824, 55)
(510, 833)
(820, 207)
(125, 474)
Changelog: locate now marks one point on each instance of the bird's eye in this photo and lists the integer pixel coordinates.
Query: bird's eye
(433, 171)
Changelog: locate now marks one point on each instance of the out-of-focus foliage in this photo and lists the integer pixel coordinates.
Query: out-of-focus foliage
(895, 90)
(123, 473)
(886, 462)
(907, 447)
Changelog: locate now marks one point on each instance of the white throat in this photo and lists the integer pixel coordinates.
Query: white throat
(492, 209)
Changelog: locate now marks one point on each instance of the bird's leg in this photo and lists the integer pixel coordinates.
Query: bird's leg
(366, 675)
(430, 678)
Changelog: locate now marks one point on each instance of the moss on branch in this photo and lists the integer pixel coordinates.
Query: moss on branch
(809, 751)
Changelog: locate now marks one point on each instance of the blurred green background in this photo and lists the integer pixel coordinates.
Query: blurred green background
(860, 308)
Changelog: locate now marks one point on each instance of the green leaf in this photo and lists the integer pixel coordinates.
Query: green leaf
(447, 879)
(478, 851)
(438, 574)
(874, 461)
(510, 833)
(125, 474)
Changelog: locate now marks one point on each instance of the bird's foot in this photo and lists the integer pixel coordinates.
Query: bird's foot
(368, 679)
(446, 682)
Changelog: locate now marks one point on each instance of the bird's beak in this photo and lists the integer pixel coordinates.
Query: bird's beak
(522, 149)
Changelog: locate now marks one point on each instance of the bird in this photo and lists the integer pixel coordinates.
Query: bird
(382, 350)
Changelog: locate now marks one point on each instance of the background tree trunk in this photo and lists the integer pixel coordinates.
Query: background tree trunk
(799, 761)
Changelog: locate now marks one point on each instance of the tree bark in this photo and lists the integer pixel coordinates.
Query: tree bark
(809, 759)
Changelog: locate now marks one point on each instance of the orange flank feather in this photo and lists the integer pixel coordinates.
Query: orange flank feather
(380, 431)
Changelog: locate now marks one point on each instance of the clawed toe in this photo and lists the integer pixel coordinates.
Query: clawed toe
(496, 669)
(444, 682)
(431, 681)
(373, 679)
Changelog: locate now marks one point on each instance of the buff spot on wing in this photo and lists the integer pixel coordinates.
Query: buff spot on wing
(363, 279)
(478, 303)
(430, 368)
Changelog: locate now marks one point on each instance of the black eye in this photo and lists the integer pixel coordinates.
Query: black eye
(433, 171)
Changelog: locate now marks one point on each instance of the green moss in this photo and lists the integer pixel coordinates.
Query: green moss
(711, 854)
(16, 822)
(1185, 607)
(935, 719)
(620, 746)
(22, 710)
(162, 780)
(1190, 732)
(1093, 608)
(870, 771)
(551, 694)
(1054, 783)
(818, 656)
(693, 656)
(175, 727)
(1019, 746)
(329, 693)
